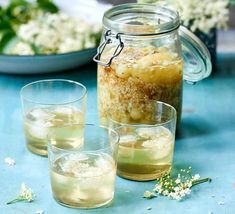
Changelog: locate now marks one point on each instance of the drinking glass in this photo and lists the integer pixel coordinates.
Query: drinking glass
(84, 177)
(145, 150)
(51, 104)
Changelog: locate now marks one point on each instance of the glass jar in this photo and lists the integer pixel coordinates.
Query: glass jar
(144, 55)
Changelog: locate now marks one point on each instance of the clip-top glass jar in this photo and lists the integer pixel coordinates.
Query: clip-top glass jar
(144, 55)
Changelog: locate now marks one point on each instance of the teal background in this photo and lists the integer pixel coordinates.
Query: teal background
(205, 141)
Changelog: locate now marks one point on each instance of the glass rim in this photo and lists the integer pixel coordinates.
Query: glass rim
(117, 138)
(171, 119)
(163, 28)
(53, 80)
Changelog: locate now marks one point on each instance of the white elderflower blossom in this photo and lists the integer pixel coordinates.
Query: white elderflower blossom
(165, 192)
(55, 33)
(69, 44)
(22, 48)
(177, 181)
(203, 16)
(149, 195)
(9, 161)
(39, 212)
(26, 194)
(158, 188)
(176, 188)
(196, 177)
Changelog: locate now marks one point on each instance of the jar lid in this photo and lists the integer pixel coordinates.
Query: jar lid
(140, 19)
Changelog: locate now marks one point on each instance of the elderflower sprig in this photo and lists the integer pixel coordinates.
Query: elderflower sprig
(26, 194)
(176, 188)
(203, 16)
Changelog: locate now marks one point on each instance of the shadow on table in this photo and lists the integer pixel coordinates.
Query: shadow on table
(193, 127)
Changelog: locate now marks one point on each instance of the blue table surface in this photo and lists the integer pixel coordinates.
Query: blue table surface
(205, 141)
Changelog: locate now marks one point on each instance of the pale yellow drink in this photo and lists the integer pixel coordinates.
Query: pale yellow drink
(62, 121)
(84, 180)
(145, 153)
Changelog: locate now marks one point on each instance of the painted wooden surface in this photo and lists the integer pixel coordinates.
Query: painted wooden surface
(206, 141)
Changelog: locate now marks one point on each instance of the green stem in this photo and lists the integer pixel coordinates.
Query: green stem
(14, 200)
(203, 180)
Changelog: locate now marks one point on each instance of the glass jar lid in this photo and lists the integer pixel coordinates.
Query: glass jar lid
(140, 19)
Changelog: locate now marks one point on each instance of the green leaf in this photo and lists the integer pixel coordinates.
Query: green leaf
(5, 25)
(16, 5)
(97, 37)
(18, 2)
(17, 10)
(10, 45)
(47, 6)
(36, 49)
(6, 37)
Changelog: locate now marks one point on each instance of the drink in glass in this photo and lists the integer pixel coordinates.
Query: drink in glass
(145, 150)
(84, 177)
(51, 105)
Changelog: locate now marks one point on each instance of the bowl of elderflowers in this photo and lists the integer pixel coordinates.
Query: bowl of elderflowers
(39, 37)
(203, 18)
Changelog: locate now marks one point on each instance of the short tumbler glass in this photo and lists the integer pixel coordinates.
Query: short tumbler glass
(51, 104)
(84, 177)
(145, 151)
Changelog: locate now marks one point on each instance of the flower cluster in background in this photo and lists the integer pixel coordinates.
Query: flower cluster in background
(203, 16)
(55, 33)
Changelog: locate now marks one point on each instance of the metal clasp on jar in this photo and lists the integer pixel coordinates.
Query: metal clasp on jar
(108, 40)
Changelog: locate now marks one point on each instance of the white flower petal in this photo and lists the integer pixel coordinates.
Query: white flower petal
(39, 212)
(9, 161)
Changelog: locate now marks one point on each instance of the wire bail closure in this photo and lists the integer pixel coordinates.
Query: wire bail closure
(108, 40)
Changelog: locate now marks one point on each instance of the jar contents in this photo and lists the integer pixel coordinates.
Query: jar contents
(135, 77)
(84, 180)
(60, 121)
(144, 153)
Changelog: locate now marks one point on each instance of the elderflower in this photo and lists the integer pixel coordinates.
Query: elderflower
(149, 195)
(9, 161)
(203, 16)
(39, 212)
(196, 177)
(177, 181)
(26, 194)
(176, 188)
(55, 33)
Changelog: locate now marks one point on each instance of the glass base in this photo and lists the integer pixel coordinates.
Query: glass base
(77, 206)
(142, 177)
(42, 151)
